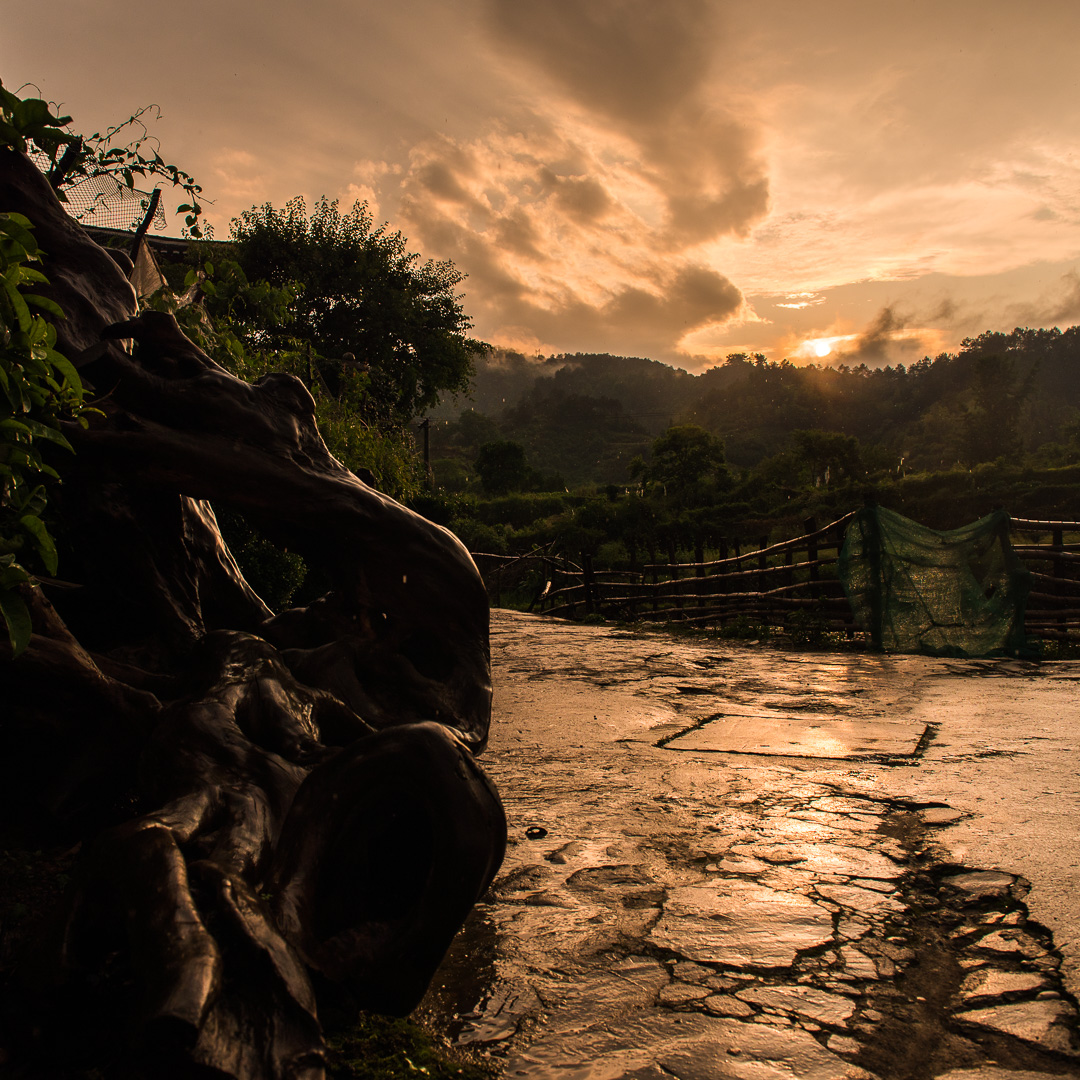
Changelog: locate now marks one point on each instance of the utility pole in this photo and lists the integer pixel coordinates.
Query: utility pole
(425, 426)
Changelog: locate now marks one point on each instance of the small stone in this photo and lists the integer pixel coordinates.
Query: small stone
(680, 993)
(858, 964)
(722, 1005)
(774, 1020)
(689, 972)
(864, 901)
(982, 883)
(991, 982)
(872, 1015)
(1039, 1022)
(804, 1001)
(1012, 942)
(841, 1044)
(876, 886)
(852, 929)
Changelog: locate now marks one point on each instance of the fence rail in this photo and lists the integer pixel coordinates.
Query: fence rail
(779, 584)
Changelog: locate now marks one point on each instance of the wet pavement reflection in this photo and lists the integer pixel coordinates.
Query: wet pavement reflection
(732, 861)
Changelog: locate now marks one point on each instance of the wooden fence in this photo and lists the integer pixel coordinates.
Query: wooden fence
(1053, 608)
(784, 584)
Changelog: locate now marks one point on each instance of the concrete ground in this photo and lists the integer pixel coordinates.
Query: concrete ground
(732, 861)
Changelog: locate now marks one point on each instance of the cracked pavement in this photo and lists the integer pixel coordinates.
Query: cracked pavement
(732, 861)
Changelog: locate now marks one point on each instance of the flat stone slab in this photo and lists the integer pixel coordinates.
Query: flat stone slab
(1039, 1022)
(740, 924)
(804, 1001)
(659, 1046)
(802, 736)
(992, 982)
(981, 883)
(995, 1072)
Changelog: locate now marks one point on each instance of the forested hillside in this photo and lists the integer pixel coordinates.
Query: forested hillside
(624, 457)
(585, 416)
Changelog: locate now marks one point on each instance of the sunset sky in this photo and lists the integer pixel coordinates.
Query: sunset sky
(815, 179)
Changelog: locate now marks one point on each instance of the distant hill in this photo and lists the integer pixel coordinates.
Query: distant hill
(585, 415)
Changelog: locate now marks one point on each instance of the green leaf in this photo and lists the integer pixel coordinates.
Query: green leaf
(45, 304)
(42, 540)
(16, 617)
(64, 366)
(16, 425)
(50, 434)
(21, 312)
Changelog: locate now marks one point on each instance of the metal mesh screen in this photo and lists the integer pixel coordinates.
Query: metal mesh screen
(106, 202)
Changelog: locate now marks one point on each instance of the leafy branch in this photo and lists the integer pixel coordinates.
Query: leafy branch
(29, 124)
(38, 388)
(38, 385)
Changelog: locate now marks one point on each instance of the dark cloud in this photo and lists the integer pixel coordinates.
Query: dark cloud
(872, 344)
(631, 60)
(634, 321)
(440, 180)
(703, 214)
(946, 311)
(879, 343)
(515, 232)
(583, 198)
(1061, 308)
(642, 68)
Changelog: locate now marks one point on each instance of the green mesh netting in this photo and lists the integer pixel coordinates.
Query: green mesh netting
(956, 593)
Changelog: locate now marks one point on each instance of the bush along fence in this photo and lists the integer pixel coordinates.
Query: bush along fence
(978, 590)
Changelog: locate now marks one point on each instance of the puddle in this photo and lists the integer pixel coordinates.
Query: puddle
(800, 736)
(703, 914)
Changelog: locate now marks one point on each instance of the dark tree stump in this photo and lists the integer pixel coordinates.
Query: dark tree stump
(303, 809)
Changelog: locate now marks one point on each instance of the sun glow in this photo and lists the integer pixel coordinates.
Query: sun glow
(818, 347)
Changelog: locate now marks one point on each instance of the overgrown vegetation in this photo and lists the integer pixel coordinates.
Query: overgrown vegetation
(40, 387)
(381, 1048)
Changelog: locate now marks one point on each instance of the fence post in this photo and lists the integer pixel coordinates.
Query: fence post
(655, 577)
(810, 525)
(589, 582)
(699, 558)
(1057, 542)
(673, 573)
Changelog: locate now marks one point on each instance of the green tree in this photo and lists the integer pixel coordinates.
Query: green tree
(365, 294)
(502, 468)
(689, 462)
(828, 455)
(992, 422)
